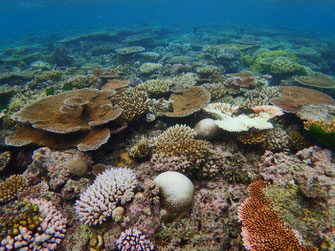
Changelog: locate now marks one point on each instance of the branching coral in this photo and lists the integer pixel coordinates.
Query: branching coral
(177, 150)
(11, 187)
(262, 228)
(155, 87)
(110, 188)
(133, 239)
(46, 236)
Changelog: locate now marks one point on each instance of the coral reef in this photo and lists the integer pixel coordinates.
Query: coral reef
(155, 87)
(191, 101)
(112, 187)
(56, 116)
(133, 239)
(262, 228)
(54, 164)
(11, 187)
(48, 234)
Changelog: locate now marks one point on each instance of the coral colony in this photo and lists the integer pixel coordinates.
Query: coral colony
(150, 139)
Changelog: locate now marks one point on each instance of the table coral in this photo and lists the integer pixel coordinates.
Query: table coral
(191, 101)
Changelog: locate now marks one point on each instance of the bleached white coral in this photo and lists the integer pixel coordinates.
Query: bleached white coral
(110, 188)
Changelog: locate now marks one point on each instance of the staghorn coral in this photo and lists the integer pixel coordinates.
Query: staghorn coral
(262, 228)
(11, 187)
(48, 234)
(155, 87)
(133, 239)
(110, 188)
(191, 101)
(52, 118)
(183, 82)
(133, 103)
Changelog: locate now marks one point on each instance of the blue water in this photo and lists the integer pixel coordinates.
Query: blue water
(19, 18)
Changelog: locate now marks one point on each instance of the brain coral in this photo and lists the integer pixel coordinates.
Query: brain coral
(110, 188)
(82, 112)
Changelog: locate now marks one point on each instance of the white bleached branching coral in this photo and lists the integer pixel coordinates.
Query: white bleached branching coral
(229, 120)
(110, 188)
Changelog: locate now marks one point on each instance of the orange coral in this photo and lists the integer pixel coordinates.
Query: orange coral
(191, 101)
(262, 228)
(327, 127)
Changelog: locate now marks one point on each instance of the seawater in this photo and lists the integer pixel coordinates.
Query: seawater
(21, 17)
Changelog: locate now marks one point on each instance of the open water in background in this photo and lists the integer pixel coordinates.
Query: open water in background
(21, 17)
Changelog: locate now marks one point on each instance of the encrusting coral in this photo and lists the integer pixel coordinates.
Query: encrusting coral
(68, 119)
(262, 228)
(110, 188)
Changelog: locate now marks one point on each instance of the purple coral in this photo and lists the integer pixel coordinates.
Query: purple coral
(48, 235)
(133, 239)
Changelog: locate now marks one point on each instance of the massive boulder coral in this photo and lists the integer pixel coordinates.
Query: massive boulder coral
(74, 118)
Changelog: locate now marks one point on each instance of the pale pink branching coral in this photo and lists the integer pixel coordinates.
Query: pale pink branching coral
(110, 188)
(46, 237)
(133, 239)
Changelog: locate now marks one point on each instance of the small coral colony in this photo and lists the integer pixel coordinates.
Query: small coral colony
(216, 138)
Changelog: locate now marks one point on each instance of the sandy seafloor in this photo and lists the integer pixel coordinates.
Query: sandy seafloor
(228, 106)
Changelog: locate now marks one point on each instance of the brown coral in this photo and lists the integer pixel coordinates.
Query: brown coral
(242, 79)
(251, 138)
(191, 101)
(10, 188)
(317, 80)
(68, 119)
(294, 97)
(133, 103)
(262, 228)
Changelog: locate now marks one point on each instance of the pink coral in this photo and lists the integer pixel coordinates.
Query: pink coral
(48, 236)
(133, 239)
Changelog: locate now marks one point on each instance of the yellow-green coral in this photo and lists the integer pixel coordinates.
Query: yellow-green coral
(155, 86)
(10, 188)
(20, 214)
(140, 148)
(134, 104)
(48, 75)
(255, 60)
